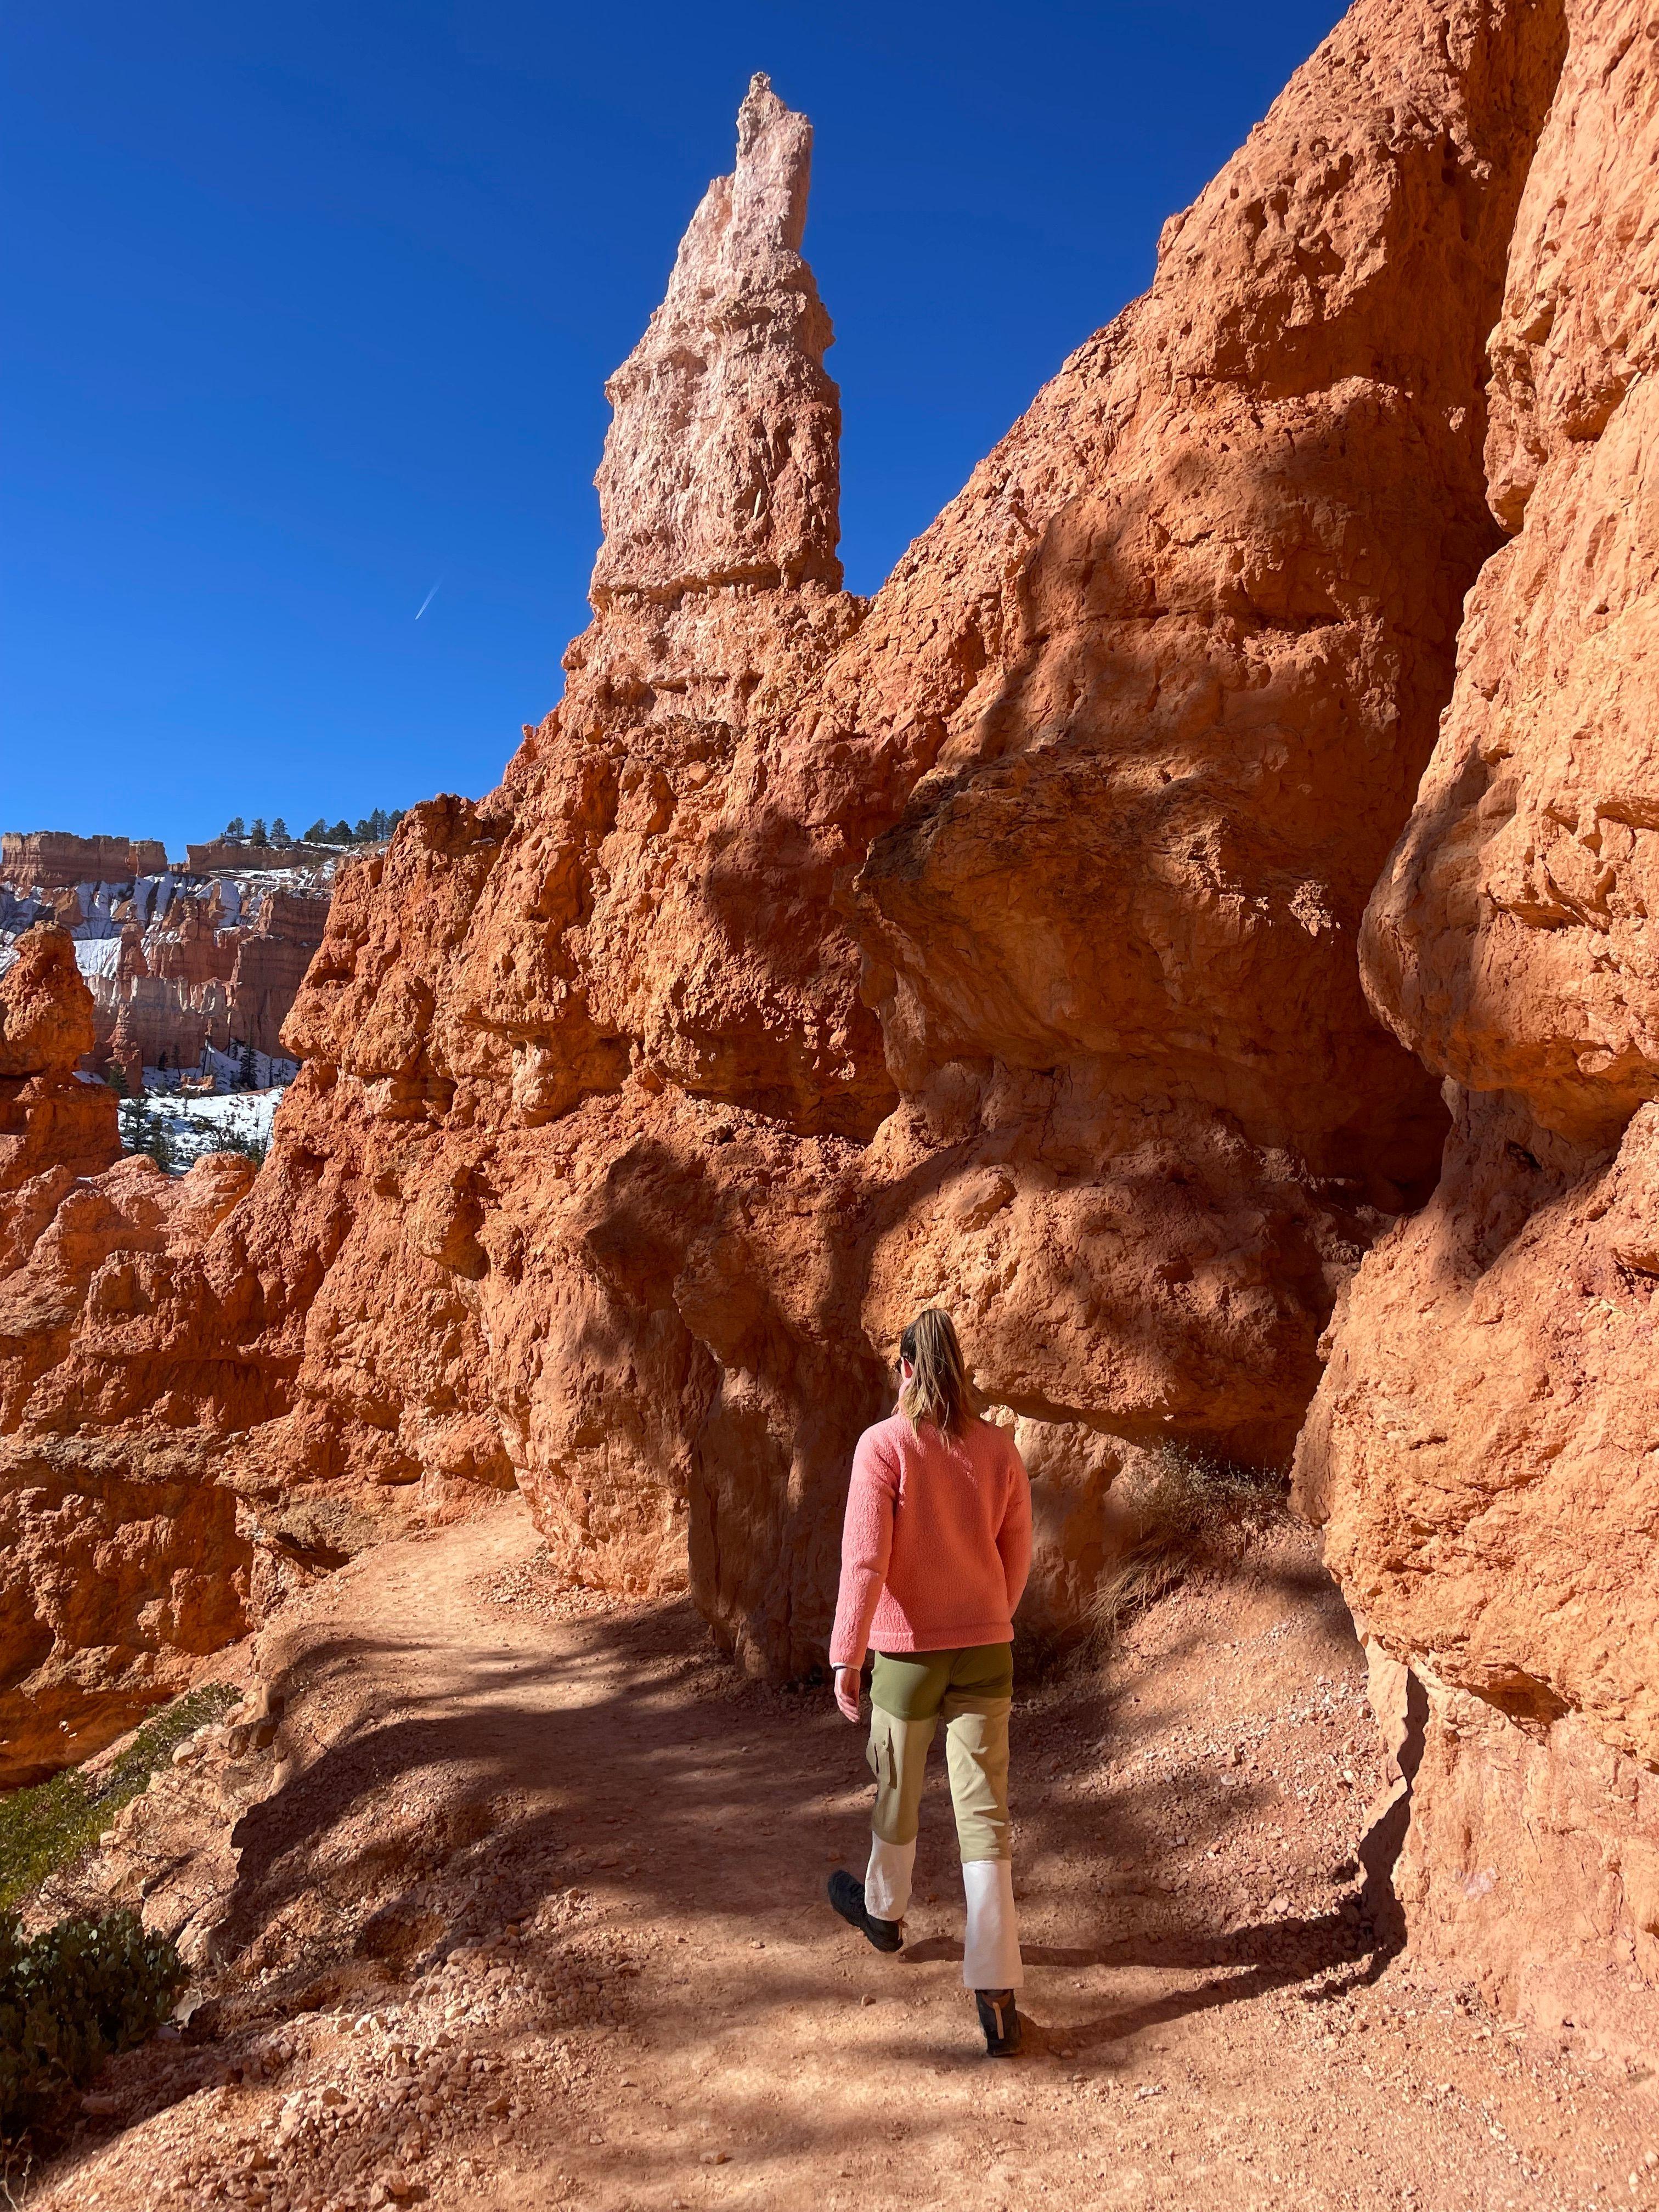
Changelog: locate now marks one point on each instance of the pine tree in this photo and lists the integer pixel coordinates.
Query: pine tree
(234, 827)
(363, 834)
(377, 822)
(256, 834)
(340, 834)
(144, 1130)
(279, 831)
(317, 833)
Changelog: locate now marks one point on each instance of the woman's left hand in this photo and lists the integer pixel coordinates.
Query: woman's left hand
(849, 1686)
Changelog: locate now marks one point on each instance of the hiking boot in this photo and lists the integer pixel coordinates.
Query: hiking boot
(1000, 2021)
(847, 1895)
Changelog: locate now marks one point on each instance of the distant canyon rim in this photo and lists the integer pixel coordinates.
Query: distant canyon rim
(1193, 922)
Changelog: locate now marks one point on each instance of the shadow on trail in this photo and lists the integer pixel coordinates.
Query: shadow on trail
(677, 1787)
(1274, 1955)
(446, 1776)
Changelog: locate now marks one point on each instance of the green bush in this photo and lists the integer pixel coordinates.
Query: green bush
(147, 1130)
(71, 1997)
(152, 1126)
(239, 1133)
(47, 1827)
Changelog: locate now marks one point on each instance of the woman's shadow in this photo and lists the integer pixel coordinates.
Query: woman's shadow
(1267, 1956)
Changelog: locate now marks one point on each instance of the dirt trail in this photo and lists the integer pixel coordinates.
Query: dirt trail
(525, 1907)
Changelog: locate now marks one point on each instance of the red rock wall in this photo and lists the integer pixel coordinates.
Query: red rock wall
(95, 1526)
(270, 965)
(1483, 1443)
(52, 859)
(47, 1115)
(235, 856)
(1197, 616)
(193, 978)
(995, 942)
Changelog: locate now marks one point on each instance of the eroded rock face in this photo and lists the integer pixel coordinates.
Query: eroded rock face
(54, 857)
(1531, 1868)
(48, 1118)
(181, 964)
(118, 1561)
(119, 1570)
(1509, 941)
(546, 1097)
(1147, 700)
(218, 965)
(1483, 1443)
(722, 463)
(996, 943)
(993, 943)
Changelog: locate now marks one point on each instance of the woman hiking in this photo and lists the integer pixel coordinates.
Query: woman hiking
(934, 1553)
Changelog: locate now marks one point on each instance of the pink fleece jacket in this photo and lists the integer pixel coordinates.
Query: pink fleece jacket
(937, 1542)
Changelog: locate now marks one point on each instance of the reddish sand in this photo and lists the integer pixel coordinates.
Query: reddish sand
(525, 1907)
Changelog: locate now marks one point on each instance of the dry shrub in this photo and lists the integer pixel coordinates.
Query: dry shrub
(1184, 1515)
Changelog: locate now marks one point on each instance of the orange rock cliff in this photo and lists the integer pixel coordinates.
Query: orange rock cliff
(1484, 1443)
(1005, 940)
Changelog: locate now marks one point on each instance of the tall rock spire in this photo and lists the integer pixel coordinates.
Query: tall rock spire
(721, 464)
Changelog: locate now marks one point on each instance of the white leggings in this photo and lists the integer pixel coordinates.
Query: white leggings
(990, 1957)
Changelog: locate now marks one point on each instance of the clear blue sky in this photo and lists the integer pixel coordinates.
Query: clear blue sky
(309, 306)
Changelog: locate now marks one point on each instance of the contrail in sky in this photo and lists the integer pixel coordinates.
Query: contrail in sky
(428, 600)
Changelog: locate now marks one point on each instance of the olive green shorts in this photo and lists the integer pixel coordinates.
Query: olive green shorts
(973, 1691)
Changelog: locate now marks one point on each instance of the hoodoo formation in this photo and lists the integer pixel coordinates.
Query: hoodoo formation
(121, 1560)
(208, 956)
(1005, 940)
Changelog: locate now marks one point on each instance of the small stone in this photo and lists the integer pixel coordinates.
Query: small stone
(715, 2158)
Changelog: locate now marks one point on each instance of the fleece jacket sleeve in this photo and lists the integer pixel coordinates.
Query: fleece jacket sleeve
(866, 1544)
(1014, 1537)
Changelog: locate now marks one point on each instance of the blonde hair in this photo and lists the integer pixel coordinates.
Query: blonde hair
(938, 1389)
